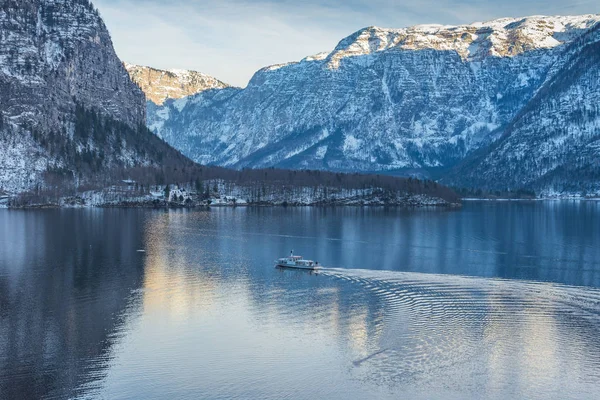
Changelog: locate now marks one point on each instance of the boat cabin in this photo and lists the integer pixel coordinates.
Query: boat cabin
(297, 262)
(305, 263)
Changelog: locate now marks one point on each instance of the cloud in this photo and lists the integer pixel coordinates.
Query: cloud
(231, 39)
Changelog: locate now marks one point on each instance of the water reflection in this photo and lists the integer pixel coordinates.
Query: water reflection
(504, 339)
(202, 313)
(549, 241)
(66, 280)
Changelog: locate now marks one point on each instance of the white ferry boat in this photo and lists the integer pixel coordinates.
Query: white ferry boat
(297, 262)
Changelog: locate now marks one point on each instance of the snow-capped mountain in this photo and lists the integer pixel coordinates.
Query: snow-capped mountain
(67, 105)
(553, 144)
(160, 85)
(417, 99)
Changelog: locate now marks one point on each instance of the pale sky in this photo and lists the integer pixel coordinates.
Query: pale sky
(232, 39)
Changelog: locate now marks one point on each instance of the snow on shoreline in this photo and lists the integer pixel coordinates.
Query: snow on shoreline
(221, 193)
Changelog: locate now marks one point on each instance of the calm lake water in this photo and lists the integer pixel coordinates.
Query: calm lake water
(495, 301)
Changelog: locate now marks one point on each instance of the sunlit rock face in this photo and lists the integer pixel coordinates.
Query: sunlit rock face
(160, 85)
(412, 99)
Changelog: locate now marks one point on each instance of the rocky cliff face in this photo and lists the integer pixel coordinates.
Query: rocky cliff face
(160, 85)
(67, 103)
(396, 100)
(56, 53)
(553, 144)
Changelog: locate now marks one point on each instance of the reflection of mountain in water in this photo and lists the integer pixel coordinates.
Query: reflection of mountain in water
(192, 270)
(204, 313)
(212, 273)
(548, 241)
(68, 282)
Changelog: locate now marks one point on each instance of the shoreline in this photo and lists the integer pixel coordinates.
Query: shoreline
(447, 206)
(182, 198)
(438, 204)
(218, 203)
(536, 199)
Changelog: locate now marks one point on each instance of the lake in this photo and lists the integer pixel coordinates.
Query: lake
(497, 300)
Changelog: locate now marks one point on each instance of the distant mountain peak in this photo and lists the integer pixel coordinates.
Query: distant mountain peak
(160, 85)
(504, 37)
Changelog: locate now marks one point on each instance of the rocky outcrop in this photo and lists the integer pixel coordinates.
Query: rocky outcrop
(55, 53)
(160, 85)
(67, 104)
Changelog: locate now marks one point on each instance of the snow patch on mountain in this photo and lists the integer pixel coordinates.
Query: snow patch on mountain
(23, 162)
(506, 37)
(553, 145)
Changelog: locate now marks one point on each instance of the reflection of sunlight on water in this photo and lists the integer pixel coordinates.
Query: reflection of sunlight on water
(169, 284)
(194, 291)
(540, 353)
(522, 344)
(497, 335)
(217, 310)
(203, 313)
(183, 281)
(358, 332)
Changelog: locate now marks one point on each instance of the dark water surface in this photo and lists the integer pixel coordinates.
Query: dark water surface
(495, 301)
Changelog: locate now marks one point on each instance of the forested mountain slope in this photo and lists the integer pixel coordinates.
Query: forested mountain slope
(68, 108)
(553, 144)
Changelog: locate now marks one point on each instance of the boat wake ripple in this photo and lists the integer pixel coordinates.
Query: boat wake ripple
(477, 332)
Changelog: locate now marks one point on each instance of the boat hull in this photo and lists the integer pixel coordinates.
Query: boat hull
(297, 267)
